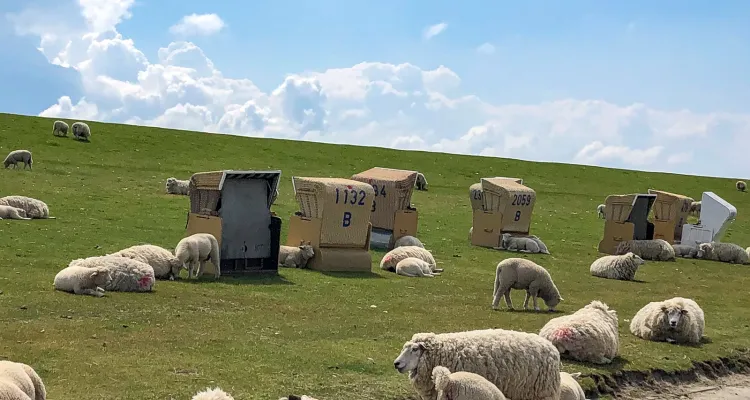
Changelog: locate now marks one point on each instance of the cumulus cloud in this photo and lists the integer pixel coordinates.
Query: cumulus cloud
(434, 30)
(198, 25)
(486, 48)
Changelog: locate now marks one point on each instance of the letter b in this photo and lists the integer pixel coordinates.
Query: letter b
(347, 219)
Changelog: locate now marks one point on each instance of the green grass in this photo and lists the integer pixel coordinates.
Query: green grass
(306, 332)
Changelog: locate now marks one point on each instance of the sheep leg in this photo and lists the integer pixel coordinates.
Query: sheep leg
(508, 300)
(87, 291)
(526, 301)
(201, 265)
(191, 269)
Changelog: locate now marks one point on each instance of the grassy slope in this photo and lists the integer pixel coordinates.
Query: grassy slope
(306, 332)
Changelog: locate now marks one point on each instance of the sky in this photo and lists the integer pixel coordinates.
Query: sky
(655, 86)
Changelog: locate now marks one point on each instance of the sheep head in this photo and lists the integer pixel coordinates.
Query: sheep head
(675, 314)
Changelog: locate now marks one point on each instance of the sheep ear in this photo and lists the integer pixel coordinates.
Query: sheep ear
(684, 311)
(576, 375)
(663, 308)
(94, 274)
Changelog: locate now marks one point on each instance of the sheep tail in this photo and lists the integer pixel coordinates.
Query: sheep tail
(441, 377)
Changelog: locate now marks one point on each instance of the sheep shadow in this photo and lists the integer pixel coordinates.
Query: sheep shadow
(530, 311)
(617, 364)
(353, 275)
(254, 279)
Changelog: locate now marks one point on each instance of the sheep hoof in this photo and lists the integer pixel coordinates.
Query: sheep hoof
(670, 340)
(537, 309)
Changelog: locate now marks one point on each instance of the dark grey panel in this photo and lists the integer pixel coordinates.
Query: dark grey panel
(245, 219)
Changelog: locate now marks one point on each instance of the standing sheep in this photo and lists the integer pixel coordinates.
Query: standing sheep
(421, 182)
(520, 273)
(524, 366)
(177, 186)
(81, 280)
(164, 263)
(128, 275)
(212, 394)
(622, 267)
(724, 252)
(10, 212)
(389, 261)
(295, 257)
(656, 249)
(60, 128)
(463, 385)
(195, 250)
(81, 131)
(695, 209)
(741, 186)
(570, 389)
(415, 267)
(19, 381)
(600, 210)
(17, 156)
(676, 320)
(687, 251)
(34, 208)
(588, 335)
(408, 241)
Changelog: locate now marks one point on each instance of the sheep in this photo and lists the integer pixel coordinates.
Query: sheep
(421, 182)
(520, 273)
(724, 252)
(524, 366)
(741, 186)
(415, 267)
(542, 247)
(34, 208)
(212, 394)
(622, 267)
(177, 186)
(16, 156)
(687, 251)
(408, 241)
(60, 128)
(521, 244)
(600, 210)
(676, 320)
(570, 389)
(81, 280)
(81, 131)
(127, 274)
(389, 261)
(19, 381)
(164, 263)
(463, 385)
(10, 212)
(695, 209)
(195, 250)
(295, 257)
(589, 334)
(656, 249)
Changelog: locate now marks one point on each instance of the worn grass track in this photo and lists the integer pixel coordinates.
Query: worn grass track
(305, 332)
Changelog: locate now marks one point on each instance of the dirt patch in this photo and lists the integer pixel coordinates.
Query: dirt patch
(732, 387)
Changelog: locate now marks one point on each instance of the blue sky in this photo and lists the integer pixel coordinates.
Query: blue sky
(623, 84)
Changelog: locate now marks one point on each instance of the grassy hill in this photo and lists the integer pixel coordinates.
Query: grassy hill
(331, 336)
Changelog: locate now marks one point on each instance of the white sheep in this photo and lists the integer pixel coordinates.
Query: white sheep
(81, 280)
(164, 263)
(195, 250)
(687, 251)
(295, 257)
(570, 389)
(600, 210)
(17, 156)
(695, 209)
(212, 394)
(520, 243)
(676, 320)
(421, 182)
(389, 261)
(724, 252)
(741, 186)
(81, 131)
(19, 381)
(415, 267)
(622, 267)
(524, 366)
(463, 385)
(520, 273)
(177, 186)
(60, 128)
(34, 208)
(408, 241)
(127, 274)
(10, 212)
(542, 247)
(589, 334)
(655, 250)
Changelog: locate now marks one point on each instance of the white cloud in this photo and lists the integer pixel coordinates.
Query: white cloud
(434, 30)
(198, 25)
(486, 48)
(596, 152)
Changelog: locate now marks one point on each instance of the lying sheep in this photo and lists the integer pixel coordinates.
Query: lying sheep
(519, 243)
(724, 252)
(695, 209)
(295, 257)
(81, 131)
(212, 394)
(19, 381)
(164, 263)
(389, 261)
(520, 273)
(17, 156)
(415, 267)
(741, 186)
(542, 247)
(463, 385)
(10, 212)
(676, 320)
(421, 182)
(177, 186)
(81, 280)
(622, 267)
(687, 251)
(524, 366)
(656, 249)
(194, 250)
(588, 335)
(60, 128)
(127, 274)
(34, 208)
(570, 389)
(600, 210)
(407, 241)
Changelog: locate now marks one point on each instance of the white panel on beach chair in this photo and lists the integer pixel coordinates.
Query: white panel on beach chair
(715, 217)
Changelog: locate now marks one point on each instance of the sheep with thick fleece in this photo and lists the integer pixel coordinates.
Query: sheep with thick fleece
(421, 182)
(687, 251)
(521, 244)
(524, 366)
(622, 267)
(164, 263)
(195, 250)
(60, 128)
(741, 186)
(695, 209)
(407, 241)
(128, 275)
(19, 381)
(389, 261)
(10, 212)
(78, 279)
(463, 385)
(17, 156)
(600, 209)
(177, 186)
(570, 389)
(81, 131)
(295, 257)
(676, 320)
(724, 252)
(415, 267)
(589, 334)
(520, 273)
(655, 250)
(34, 208)
(212, 394)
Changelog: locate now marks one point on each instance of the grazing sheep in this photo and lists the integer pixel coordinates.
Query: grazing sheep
(588, 335)
(724, 252)
(656, 249)
(128, 275)
(570, 389)
(164, 263)
(687, 251)
(389, 261)
(60, 128)
(463, 385)
(34, 208)
(212, 394)
(415, 267)
(695, 209)
(518, 243)
(295, 397)
(622, 267)
(676, 320)
(10, 212)
(177, 186)
(520, 273)
(524, 366)
(81, 280)
(17, 156)
(195, 250)
(408, 241)
(19, 381)
(741, 186)
(600, 210)
(421, 182)
(295, 257)
(81, 131)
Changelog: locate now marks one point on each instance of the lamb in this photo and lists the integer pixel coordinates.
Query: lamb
(81, 131)
(695, 209)
(656, 249)
(127, 274)
(10, 212)
(164, 263)
(408, 241)
(212, 394)
(741, 186)
(520, 273)
(570, 389)
(17, 156)
(60, 128)
(542, 247)
(524, 366)
(81, 280)
(19, 381)
(600, 210)
(389, 261)
(177, 186)
(687, 251)
(463, 385)
(415, 267)
(724, 252)
(622, 267)
(34, 208)
(295, 257)
(676, 320)
(421, 182)
(195, 250)
(589, 334)
(521, 244)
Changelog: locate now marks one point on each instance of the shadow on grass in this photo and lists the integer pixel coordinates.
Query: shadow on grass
(258, 279)
(530, 311)
(617, 364)
(353, 275)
